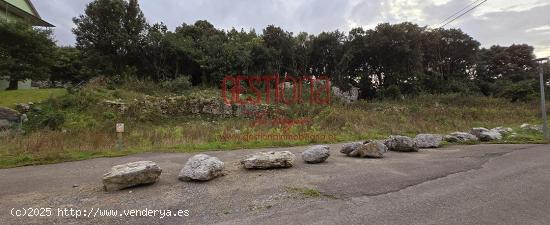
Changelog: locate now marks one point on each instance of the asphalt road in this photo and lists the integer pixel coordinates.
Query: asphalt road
(481, 184)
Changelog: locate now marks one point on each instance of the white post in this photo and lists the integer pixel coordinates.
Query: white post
(543, 102)
(119, 131)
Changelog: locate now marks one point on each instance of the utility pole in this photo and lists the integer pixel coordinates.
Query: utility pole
(543, 97)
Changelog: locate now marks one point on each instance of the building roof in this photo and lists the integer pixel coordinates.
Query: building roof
(26, 10)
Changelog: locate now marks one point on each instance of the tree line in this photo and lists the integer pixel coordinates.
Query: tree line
(114, 39)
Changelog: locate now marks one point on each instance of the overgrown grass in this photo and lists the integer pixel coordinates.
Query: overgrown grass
(10, 98)
(87, 130)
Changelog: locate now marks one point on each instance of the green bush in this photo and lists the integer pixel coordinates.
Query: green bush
(45, 119)
(178, 85)
(521, 91)
(392, 92)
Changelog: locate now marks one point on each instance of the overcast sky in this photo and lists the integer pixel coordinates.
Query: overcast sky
(502, 22)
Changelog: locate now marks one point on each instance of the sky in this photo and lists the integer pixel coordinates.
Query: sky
(497, 22)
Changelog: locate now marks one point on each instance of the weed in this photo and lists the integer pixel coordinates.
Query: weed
(308, 192)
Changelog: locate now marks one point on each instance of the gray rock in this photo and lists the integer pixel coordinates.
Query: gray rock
(201, 168)
(450, 138)
(401, 144)
(373, 149)
(316, 154)
(529, 127)
(350, 147)
(5, 124)
(478, 130)
(23, 108)
(460, 137)
(269, 160)
(131, 174)
(490, 136)
(428, 140)
(8, 118)
(9, 114)
(503, 130)
(24, 118)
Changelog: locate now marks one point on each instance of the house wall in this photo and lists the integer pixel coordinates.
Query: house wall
(22, 84)
(7, 15)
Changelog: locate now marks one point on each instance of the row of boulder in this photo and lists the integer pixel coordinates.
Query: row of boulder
(200, 167)
(203, 167)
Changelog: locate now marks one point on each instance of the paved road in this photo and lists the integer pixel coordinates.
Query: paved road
(482, 184)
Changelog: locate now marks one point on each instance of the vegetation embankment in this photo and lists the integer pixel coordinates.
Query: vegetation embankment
(163, 84)
(80, 124)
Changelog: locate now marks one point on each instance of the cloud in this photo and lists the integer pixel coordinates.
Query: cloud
(502, 22)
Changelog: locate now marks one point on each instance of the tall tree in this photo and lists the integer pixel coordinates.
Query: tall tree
(160, 55)
(395, 56)
(25, 53)
(325, 54)
(113, 29)
(499, 66)
(279, 43)
(449, 59)
(201, 45)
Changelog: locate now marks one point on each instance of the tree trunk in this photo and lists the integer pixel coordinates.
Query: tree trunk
(14, 84)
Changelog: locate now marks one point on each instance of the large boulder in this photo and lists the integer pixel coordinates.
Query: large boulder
(529, 127)
(350, 147)
(8, 117)
(490, 136)
(5, 124)
(201, 168)
(316, 154)
(269, 160)
(131, 174)
(24, 107)
(401, 144)
(428, 140)
(503, 130)
(9, 114)
(478, 130)
(372, 149)
(460, 137)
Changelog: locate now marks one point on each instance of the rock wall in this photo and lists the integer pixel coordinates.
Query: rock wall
(346, 96)
(181, 105)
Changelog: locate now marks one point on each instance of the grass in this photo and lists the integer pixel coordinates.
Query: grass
(87, 130)
(10, 98)
(308, 192)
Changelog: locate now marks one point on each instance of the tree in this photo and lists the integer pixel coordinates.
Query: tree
(25, 52)
(394, 57)
(449, 60)
(504, 65)
(114, 31)
(201, 47)
(279, 43)
(325, 54)
(160, 57)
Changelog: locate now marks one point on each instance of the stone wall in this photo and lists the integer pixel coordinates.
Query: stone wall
(346, 96)
(181, 105)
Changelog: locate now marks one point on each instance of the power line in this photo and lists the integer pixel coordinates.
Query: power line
(456, 13)
(464, 13)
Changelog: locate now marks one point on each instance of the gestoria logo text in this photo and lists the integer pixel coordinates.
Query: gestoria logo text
(318, 88)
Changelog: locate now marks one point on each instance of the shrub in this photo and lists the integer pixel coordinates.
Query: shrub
(45, 120)
(392, 92)
(521, 91)
(178, 85)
